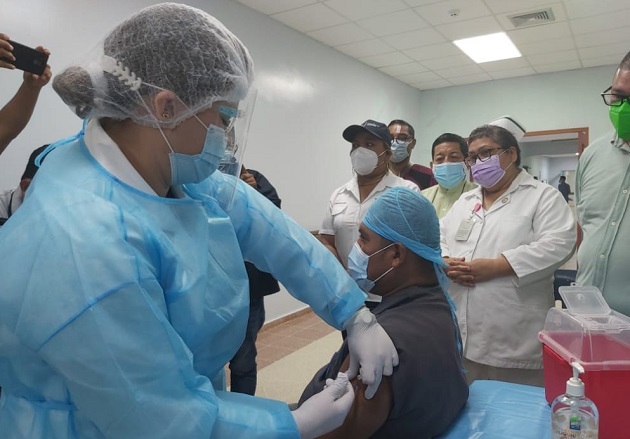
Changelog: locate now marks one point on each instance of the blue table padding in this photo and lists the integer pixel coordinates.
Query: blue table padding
(498, 410)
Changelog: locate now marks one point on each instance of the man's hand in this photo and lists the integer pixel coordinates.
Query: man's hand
(372, 352)
(6, 51)
(36, 82)
(248, 178)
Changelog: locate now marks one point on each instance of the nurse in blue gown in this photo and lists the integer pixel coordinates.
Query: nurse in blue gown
(125, 292)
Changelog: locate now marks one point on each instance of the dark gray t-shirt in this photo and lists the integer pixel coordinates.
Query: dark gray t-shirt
(428, 386)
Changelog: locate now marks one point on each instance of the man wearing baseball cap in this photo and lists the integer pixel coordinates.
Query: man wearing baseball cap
(369, 153)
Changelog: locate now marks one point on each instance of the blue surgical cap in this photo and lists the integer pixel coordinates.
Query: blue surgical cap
(402, 215)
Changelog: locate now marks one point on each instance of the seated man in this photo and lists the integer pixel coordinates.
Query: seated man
(398, 257)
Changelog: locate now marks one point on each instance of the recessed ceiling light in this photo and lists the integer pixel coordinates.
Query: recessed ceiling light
(491, 47)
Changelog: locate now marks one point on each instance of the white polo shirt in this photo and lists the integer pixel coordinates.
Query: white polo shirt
(345, 211)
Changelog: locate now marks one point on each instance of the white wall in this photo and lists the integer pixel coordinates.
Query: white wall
(308, 93)
(560, 166)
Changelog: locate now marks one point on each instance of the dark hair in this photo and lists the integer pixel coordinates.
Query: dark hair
(499, 135)
(562, 177)
(625, 62)
(402, 122)
(450, 137)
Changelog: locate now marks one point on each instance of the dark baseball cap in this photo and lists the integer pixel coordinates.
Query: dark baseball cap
(377, 129)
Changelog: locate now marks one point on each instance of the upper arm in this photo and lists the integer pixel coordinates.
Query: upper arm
(366, 415)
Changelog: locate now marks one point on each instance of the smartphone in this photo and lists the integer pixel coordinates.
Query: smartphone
(27, 58)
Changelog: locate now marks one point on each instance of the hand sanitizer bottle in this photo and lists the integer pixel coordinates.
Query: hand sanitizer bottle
(574, 416)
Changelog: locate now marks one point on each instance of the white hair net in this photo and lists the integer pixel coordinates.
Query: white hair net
(168, 46)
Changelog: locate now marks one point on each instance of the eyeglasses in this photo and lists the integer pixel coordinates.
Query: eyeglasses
(228, 116)
(482, 156)
(614, 100)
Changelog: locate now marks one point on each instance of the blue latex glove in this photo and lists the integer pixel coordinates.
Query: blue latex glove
(372, 352)
(326, 410)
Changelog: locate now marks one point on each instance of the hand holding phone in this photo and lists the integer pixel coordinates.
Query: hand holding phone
(6, 52)
(26, 58)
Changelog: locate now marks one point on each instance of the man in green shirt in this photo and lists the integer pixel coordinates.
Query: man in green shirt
(448, 153)
(602, 198)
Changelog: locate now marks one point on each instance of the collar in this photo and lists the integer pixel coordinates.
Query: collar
(110, 157)
(620, 143)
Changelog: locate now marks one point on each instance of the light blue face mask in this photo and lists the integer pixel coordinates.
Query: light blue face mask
(449, 175)
(358, 265)
(399, 151)
(186, 168)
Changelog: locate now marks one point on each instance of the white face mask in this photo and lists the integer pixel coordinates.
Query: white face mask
(364, 160)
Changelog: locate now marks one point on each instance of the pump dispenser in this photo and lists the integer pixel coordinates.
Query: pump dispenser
(574, 416)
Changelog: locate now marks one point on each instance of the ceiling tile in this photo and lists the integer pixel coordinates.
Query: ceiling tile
(269, 7)
(419, 77)
(429, 85)
(453, 11)
(310, 18)
(504, 64)
(470, 28)
(433, 51)
(395, 23)
(553, 58)
(445, 63)
(505, 6)
(600, 23)
(342, 34)
(619, 49)
(546, 46)
(459, 71)
(403, 69)
(540, 33)
(586, 8)
(610, 36)
(360, 9)
(557, 67)
(409, 40)
(603, 61)
(364, 48)
(386, 59)
(502, 74)
(480, 77)
(420, 2)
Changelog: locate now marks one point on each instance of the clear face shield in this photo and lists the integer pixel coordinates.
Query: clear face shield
(237, 122)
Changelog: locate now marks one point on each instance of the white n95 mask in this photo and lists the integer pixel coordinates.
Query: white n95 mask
(364, 160)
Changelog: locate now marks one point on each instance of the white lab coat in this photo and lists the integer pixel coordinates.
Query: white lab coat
(532, 226)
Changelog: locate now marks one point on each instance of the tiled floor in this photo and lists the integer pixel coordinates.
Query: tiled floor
(280, 340)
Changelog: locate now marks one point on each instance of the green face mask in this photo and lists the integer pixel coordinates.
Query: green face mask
(620, 118)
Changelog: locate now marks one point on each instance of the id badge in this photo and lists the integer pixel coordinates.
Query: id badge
(464, 230)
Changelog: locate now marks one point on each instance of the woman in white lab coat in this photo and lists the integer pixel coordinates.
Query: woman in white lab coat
(502, 242)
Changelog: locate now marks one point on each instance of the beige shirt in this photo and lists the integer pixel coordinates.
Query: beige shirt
(443, 199)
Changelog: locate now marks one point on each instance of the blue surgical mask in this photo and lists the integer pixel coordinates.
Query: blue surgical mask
(186, 168)
(449, 175)
(399, 151)
(358, 265)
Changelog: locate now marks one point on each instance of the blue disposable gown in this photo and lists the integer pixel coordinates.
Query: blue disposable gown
(118, 309)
